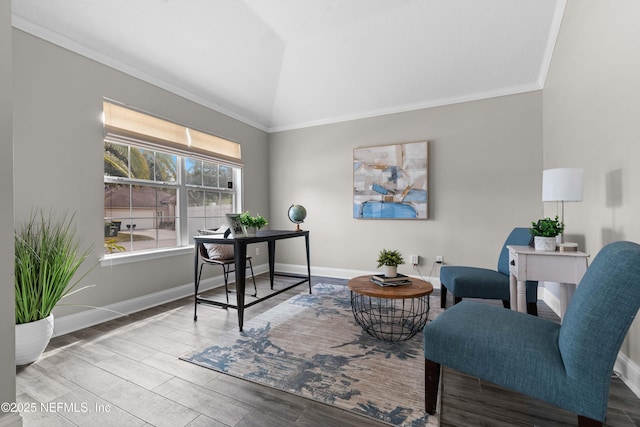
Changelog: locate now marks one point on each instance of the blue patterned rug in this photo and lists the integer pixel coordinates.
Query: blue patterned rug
(311, 346)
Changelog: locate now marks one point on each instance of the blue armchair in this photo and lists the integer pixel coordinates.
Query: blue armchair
(475, 282)
(566, 365)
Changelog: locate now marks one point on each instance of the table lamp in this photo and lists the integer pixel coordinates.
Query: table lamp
(562, 185)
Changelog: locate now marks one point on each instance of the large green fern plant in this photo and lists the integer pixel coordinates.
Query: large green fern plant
(47, 256)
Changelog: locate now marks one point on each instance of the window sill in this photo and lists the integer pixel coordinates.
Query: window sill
(117, 259)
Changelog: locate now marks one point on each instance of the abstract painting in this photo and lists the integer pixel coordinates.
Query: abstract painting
(390, 181)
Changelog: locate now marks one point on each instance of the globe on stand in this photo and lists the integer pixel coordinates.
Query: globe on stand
(297, 214)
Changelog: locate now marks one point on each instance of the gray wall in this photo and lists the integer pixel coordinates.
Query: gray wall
(58, 148)
(485, 162)
(7, 310)
(591, 120)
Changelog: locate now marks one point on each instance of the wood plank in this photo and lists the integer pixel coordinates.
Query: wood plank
(74, 367)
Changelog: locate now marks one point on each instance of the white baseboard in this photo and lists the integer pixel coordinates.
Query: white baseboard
(341, 273)
(629, 373)
(628, 369)
(94, 316)
(550, 299)
(12, 419)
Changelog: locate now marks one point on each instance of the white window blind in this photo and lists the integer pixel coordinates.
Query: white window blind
(129, 125)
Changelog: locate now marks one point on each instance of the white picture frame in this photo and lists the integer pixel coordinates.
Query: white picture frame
(237, 230)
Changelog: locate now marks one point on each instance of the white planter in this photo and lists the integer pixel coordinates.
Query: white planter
(390, 270)
(31, 339)
(251, 231)
(544, 243)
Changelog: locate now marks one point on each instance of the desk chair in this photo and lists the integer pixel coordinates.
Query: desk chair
(476, 282)
(222, 255)
(568, 365)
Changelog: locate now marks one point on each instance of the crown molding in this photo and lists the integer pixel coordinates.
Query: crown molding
(36, 30)
(551, 42)
(514, 90)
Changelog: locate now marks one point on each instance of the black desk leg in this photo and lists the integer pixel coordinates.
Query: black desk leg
(272, 260)
(196, 283)
(240, 249)
(306, 241)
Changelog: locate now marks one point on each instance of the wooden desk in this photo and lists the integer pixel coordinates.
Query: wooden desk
(390, 313)
(240, 255)
(525, 263)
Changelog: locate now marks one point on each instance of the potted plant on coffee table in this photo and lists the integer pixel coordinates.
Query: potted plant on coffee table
(47, 256)
(390, 260)
(545, 231)
(252, 223)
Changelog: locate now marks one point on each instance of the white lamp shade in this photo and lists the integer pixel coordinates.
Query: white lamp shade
(562, 184)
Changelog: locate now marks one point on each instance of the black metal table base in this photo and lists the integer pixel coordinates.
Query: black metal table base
(390, 319)
(240, 257)
(208, 301)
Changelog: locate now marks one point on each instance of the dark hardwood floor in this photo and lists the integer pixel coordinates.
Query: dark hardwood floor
(126, 372)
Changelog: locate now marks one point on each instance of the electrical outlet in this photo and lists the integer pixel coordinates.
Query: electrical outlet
(257, 251)
(439, 259)
(415, 259)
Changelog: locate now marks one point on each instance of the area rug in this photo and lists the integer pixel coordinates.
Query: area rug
(311, 346)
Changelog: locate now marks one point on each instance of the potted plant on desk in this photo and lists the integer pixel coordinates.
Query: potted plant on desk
(252, 223)
(545, 231)
(390, 260)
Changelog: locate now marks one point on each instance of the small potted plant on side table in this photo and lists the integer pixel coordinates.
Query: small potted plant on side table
(390, 260)
(252, 223)
(545, 231)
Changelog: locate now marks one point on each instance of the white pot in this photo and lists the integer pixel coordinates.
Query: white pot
(544, 243)
(390, 270)
(31, 339)
(251, 231)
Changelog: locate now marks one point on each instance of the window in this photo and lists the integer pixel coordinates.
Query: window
(163, 182)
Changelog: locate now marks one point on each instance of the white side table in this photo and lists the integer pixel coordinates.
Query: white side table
(525, 263)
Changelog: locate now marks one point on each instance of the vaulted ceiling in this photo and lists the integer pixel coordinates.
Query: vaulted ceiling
(284, 64)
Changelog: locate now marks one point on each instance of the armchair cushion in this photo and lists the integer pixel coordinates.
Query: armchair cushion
(566, 365)
(513, 349)
(475, 282)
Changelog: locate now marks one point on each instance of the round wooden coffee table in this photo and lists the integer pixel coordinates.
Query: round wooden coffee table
(390, 313)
